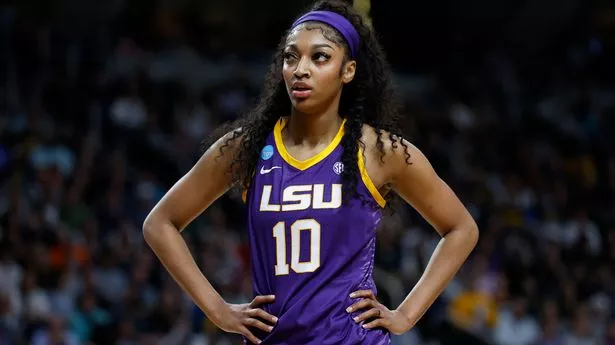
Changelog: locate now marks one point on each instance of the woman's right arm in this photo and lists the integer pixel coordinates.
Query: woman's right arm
(208, 179)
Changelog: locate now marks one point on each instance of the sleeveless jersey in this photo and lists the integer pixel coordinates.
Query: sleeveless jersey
(307, 248)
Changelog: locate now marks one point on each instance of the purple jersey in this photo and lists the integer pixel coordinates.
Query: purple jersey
(308, 249)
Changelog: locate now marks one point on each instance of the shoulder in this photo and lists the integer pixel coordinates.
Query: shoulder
(390, 155)
(232, 138)
(208, 179)
(387, 147)
(228, 144)
(220, 152)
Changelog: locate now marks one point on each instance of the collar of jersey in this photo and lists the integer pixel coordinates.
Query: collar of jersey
(305, 164)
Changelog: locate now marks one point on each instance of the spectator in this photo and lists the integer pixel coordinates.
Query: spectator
(128, 111)
(475, 309)
(515, 326)
(581, 331)
(55, 333)
(11, 274)
(8, 322)
(552, 330)
(88, 318)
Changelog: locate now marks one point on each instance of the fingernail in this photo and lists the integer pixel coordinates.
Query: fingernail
(364, 326)
(356, 319)
(271, 296)
(352, 295)
(275, 319)
(270, 328)
(349, 309)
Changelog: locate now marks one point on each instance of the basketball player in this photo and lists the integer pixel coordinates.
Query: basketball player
(318, 158)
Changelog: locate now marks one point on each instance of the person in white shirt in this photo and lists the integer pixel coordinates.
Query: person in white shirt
(515, 326)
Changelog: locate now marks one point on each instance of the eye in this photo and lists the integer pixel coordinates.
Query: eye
(289, 56)
(321, 56)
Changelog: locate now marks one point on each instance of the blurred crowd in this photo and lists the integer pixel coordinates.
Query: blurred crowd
(95, 127)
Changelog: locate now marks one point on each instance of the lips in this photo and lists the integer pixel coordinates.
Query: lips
(300, 90)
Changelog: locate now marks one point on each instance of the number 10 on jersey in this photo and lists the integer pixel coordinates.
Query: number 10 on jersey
(279, 233)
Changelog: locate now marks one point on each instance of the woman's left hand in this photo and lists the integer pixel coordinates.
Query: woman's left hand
(393, 320)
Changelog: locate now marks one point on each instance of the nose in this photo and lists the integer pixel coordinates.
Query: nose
(302, 70)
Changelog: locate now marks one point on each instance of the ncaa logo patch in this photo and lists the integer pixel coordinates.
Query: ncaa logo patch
(338, 167)
(267, 152)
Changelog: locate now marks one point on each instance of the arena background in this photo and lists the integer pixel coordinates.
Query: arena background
(104, 104)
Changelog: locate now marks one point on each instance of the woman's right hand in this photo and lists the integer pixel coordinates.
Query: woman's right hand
(238, 317)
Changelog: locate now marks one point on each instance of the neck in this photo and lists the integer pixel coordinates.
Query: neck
(313, 129)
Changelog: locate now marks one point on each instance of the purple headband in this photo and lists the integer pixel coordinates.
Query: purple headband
(338, 22)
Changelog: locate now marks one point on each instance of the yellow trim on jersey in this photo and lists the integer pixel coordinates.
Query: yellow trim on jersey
(368, 181)
(303, 165)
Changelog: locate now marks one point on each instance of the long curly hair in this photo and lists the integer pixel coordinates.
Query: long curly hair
(368, 99)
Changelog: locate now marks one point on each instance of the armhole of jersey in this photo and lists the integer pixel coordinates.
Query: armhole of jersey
(367, 181)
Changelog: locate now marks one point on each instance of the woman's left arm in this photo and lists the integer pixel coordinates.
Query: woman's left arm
(419, 185)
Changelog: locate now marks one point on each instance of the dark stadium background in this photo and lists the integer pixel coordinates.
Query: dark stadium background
(104, 104)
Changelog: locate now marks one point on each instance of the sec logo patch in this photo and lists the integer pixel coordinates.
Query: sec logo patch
(338, 167)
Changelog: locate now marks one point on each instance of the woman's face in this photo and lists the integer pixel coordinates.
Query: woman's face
(314, 69)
